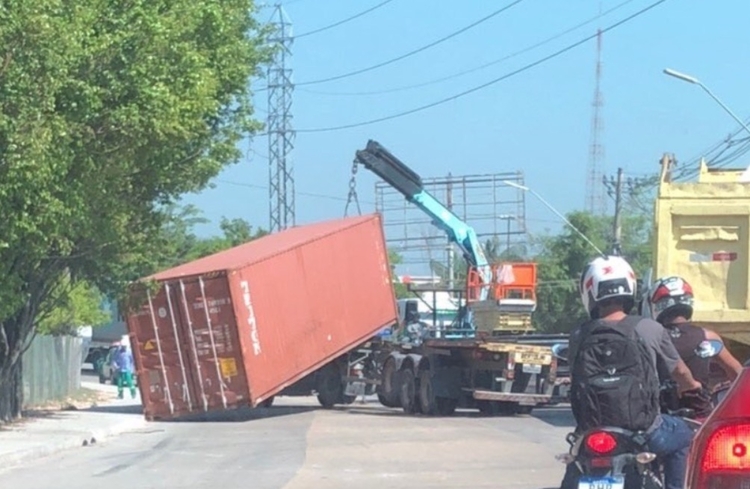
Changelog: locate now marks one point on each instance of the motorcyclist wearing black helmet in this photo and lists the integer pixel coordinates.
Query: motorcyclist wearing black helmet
(670, 302)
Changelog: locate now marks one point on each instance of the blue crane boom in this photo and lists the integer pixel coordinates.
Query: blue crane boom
(393, 171)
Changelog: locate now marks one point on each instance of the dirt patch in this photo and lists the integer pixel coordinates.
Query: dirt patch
(82, 399)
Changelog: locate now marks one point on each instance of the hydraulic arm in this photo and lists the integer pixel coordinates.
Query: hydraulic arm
(393, 171)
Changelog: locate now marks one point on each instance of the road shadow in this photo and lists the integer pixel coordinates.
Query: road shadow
(116, 409)
(558, 416)
(241, 415)
(237, 415)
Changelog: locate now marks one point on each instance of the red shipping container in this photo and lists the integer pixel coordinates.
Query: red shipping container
(237, 327)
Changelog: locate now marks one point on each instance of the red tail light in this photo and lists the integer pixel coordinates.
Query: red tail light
(720, 455)
(727, 449)
(601, 442)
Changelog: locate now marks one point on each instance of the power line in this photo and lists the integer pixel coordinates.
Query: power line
(308, 194)
(418, 50)
(476, 68)
(344, 21)
(489, 83)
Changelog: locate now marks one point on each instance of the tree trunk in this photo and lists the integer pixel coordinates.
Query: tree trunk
(11, 391)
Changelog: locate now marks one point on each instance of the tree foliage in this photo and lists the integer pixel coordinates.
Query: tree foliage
(563, 257)
(180, 244)
(78, 304)
(108, 111)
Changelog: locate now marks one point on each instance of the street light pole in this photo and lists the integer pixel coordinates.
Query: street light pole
(695, 81)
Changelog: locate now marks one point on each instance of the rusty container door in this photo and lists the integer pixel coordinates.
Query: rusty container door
(163, 369)
(299, 309)
(209, 327)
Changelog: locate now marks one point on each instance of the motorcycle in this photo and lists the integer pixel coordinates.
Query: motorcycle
(614, 458)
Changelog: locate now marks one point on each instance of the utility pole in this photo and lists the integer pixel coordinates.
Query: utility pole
(449, 201)
(615, 187)
(507, 218)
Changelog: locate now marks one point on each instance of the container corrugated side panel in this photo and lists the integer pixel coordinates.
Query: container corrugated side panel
(302, 308)
(164, 378)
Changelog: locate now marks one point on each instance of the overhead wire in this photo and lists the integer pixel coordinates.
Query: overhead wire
(489, 83)
(343, 21)
(297, 192)
(476, 68)
(415, 51)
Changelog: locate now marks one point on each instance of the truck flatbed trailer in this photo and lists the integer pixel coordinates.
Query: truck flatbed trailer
(493, 375)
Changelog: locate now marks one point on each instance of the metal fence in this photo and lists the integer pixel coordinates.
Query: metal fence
(51, 369)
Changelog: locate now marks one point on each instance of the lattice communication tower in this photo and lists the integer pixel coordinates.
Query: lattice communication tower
(280, 132)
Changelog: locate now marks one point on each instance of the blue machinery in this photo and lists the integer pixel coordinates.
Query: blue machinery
(381, 162)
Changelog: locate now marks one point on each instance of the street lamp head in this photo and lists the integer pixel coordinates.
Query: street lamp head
(681, 76)
(514, 184)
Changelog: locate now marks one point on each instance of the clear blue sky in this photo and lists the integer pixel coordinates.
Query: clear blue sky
(538, 121)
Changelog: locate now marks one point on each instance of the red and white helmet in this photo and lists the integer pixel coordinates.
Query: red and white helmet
(670, 296)
(607, 277)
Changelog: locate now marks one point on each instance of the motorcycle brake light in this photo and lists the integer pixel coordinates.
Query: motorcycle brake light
(601, 442)
(728, 448)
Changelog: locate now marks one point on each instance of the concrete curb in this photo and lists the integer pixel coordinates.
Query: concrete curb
(81, 439)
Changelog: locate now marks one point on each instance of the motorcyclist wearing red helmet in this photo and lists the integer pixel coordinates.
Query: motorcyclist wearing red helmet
(670, 302)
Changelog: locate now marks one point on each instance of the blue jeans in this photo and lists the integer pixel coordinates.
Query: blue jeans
(670, 442)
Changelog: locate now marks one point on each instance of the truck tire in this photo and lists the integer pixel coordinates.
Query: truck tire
(409, 395)
(389, 393)
(427, 400)
(330, 387)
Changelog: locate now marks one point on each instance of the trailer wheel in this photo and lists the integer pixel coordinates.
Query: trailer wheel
(389, 394)
(329, 386)
(409, 400)
(427, 400)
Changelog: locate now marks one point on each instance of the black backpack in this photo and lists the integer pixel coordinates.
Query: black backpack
(614, 380)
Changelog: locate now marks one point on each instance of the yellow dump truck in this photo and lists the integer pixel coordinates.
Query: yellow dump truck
(701, 234)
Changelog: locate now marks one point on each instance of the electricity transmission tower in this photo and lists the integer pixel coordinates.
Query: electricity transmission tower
(595, 200)
(280, 132)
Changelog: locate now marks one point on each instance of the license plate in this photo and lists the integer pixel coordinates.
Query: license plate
(601, 483)
(532, 369)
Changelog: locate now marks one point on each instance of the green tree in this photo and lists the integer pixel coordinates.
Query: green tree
(401, 290)
(108, 112)
(79, 305)
(563, 257)
(180, 244)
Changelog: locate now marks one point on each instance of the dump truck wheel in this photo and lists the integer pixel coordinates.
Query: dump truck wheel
(389, 393)
(267, 403)
(409, 391)
(427, 400)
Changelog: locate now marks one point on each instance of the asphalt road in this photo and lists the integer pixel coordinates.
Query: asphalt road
(303, 447)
